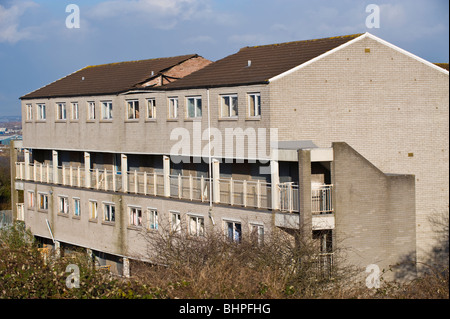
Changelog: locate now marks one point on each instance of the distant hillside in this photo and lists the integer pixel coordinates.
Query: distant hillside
(10, 118)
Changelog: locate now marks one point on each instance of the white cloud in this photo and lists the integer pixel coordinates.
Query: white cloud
(10, 30)
(163, 14)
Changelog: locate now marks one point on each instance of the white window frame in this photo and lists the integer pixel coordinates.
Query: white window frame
(30, 199)
(109, 212)
(257, 233)
(173, 108)
(199, 222)
(41, 112)
(61, 111)
(196, 100)
(135, 216)
(91, 110)
(76, 206)
(93, 209)
(175, 221)
(131, 106)
(107, 110)
(234, 234)
(63, 204)
(43, 201)
(229, 107)
(29, 112)
(256, 98)
(75, 111)
(151, 109)
(152, 218)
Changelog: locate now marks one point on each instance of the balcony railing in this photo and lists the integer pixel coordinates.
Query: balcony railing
(321, 199)
(245, 193)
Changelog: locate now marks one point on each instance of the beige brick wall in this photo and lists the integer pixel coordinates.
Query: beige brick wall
(385, 105)
(143, 136)
(118, 238)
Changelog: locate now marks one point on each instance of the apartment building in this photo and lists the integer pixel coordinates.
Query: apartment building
(343, 137)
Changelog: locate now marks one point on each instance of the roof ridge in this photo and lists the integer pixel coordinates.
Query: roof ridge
(143, 60)
(355, 35)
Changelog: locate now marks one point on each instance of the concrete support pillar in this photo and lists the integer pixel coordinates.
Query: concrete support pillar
(126, 267)
(55, 166)
(14, 192)
(304, 188)
(57, 249)
(166, 170)
(275, 180)
(216, 183)
(124, 172)
(26, 153)
(87, 169)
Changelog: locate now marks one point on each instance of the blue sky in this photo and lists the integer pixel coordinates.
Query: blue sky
(37, 48)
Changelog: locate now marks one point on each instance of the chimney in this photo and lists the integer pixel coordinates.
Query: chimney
(249, 63)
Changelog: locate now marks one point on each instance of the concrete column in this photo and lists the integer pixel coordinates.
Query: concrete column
(57, 249)
(275, 180)
(124, 172)
(87, 169)
(26, 153)
(14, 192)
(55, 166)
(215, 177)
(304, 188)
(166, 170)
(126, 267)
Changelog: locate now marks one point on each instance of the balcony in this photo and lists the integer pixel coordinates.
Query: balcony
(228, 191)
(253, 194)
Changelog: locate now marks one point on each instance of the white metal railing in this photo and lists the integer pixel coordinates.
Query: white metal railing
(289, 197)
(256, 194)
(321, 199)
(245, 193)
(189, 187)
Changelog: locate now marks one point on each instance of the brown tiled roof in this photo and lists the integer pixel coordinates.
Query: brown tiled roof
(267, 61)
(107, 78)
(443, 65)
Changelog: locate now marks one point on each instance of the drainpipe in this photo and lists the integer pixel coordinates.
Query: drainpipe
(209, 157)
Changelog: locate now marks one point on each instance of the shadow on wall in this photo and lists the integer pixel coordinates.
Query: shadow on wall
(437, 261)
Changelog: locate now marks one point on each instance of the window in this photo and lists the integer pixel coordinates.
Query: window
(173, 108)
(91, 111)
(109, 211)
(152, 219)
(135, 216)
(30, 199)
(151, 109)
(43, 201)
(175, 222)
(107, 110)
(233, 231)
(92, 209)
(133, 109)
(196, 226)
(75, 111)
(61, 113)
(254, 105)
(41, 114)
(194, 107)
(257, 233)
(63, 205)
(229, 106)
(29, 110)
(76, 207)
